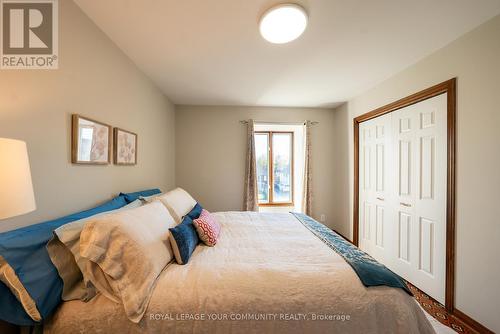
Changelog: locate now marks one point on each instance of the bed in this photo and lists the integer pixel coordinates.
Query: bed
(268, 273)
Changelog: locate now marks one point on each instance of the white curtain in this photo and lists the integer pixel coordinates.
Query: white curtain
(250, 199)
(307, 192)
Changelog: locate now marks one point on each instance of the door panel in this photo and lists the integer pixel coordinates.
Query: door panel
(367, 221)
(427, 167)
(380, 167)
(427, 119)
(374, 186)
(404, 171)
(404, 236)
(426, 245)
(367, 166)
(430, 204)
(379, 226)
(402, 192)
(404, 124)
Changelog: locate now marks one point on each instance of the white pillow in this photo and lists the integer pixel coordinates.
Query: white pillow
(64, 252)
(127, 251)
(178, 202)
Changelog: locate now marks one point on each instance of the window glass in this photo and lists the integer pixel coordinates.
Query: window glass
(262, 156)
(282, 167)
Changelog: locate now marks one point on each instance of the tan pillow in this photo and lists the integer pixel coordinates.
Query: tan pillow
(9, 278)
(128, 250)
(64, 252)
(178, 202)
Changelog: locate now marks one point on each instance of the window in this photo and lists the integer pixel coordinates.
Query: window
(274, 154)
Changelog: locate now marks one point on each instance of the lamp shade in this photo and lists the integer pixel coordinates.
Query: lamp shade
(16, 187)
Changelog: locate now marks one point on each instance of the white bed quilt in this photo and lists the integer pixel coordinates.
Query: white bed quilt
(267, 274)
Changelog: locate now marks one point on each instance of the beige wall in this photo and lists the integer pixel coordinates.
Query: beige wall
(342, 123)
(475, 60)
(97, 80)
(211, 153)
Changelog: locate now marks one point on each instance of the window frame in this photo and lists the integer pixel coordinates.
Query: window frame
(270, 201)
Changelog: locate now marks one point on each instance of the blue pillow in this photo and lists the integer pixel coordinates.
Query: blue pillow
(184, 240)
(195, 212)
(24, 250)
(130, 197)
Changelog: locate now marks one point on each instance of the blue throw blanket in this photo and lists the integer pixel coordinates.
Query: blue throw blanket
(369, 271)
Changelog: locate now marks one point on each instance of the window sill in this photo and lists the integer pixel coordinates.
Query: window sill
(276, 204)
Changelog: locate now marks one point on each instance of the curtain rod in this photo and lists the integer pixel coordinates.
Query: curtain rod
(280, 123)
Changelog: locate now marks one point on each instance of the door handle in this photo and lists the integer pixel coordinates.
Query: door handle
(380, 198)
(405, 204)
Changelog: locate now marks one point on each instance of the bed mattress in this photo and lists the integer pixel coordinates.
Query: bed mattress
(267, 274)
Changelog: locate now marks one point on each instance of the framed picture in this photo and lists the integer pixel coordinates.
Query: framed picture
(125, 152)
(90, 141)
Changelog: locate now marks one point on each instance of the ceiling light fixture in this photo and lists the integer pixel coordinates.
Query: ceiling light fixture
(283, 23)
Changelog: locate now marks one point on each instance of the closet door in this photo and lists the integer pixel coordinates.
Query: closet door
(376, 187)
(420, 189)
(430, 203)
(402, 192)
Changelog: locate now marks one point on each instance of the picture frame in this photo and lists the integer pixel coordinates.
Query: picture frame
(91, 141)
(125, 147)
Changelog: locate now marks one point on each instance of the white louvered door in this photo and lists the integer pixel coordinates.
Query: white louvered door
(402, 195)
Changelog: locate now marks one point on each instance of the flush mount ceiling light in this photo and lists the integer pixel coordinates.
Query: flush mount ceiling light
(283, 23)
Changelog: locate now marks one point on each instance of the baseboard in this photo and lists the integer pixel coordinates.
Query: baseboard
(341, 235)
(471, 322)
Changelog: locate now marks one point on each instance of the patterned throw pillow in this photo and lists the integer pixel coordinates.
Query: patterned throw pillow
(207, 227)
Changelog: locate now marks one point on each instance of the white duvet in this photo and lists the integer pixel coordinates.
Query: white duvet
(267, 274)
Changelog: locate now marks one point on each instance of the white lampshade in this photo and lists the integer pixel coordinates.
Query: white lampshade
(16, 188)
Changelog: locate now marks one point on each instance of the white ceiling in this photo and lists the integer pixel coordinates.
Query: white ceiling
(209, 52)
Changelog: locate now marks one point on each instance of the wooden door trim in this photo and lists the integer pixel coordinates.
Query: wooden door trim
(448, 87)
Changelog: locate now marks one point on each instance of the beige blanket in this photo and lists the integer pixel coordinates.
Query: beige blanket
(267, 274)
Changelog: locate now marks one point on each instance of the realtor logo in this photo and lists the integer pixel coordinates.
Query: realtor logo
(29, 34)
